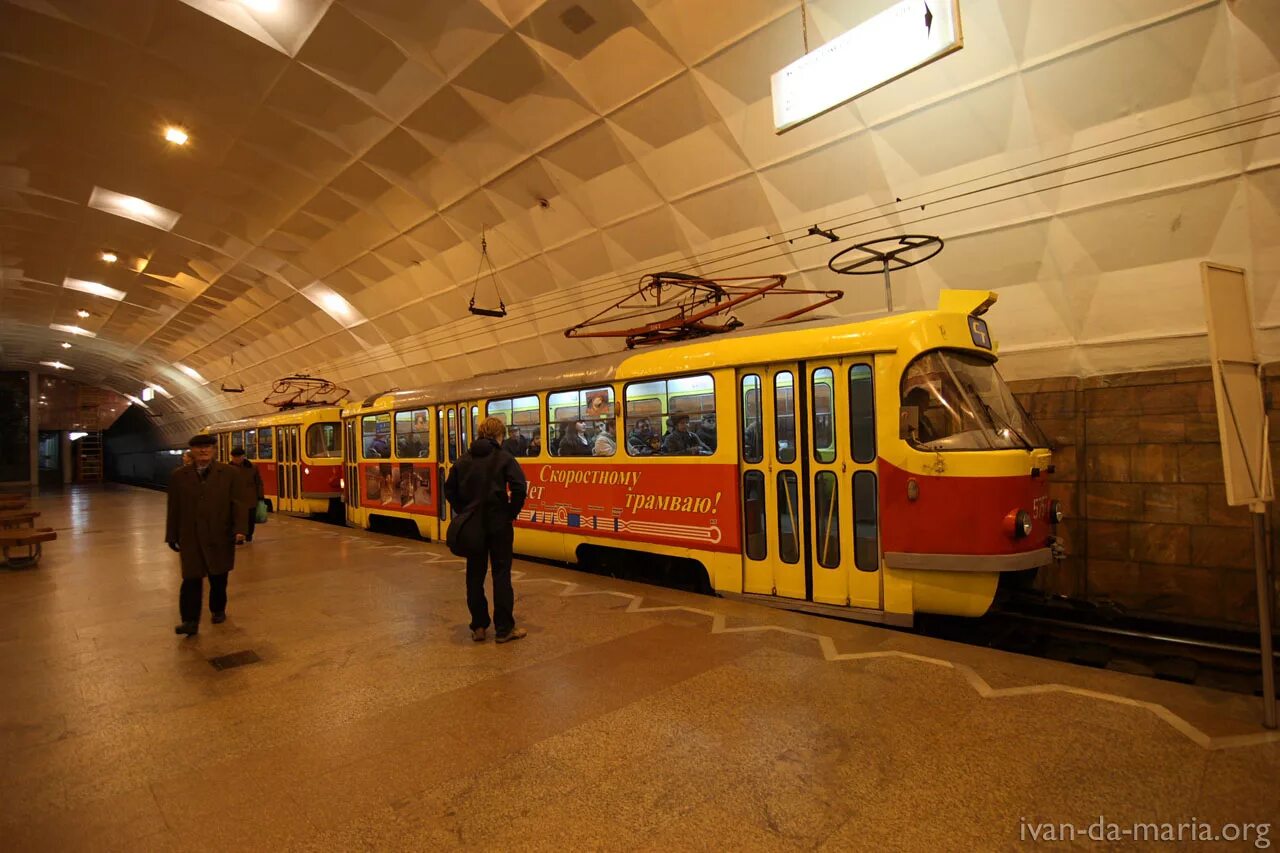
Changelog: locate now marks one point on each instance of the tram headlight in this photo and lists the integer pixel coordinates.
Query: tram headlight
(1018, 523)
(1056, 512)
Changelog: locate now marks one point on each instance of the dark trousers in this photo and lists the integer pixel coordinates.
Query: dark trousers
(499, 554)
(253, 520)
(193, 590)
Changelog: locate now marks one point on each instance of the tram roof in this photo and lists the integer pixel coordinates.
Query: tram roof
(788, 342)
(284, 416)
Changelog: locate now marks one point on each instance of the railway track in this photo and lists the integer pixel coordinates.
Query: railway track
(1106, 638)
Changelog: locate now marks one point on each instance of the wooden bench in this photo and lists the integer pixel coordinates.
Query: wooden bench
(10, 519)
(31, 540)
(13, 503)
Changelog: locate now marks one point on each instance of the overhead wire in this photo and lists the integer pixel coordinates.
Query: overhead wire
(569, 302)
(549, 312)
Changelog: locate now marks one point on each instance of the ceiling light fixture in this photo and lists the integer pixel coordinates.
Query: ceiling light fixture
(93, 288)
(71, 330)
(176, 135)
(66, 345)
(83, 314)
(333, 303)
(262, 5)
(160, 389)
(135, 401)
(57, 364)
(192, 373)
(109, 257)
(131, 207)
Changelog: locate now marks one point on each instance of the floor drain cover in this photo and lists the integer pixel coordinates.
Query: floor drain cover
(234, 659)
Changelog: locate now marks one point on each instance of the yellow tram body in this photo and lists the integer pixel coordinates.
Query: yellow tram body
(298, 452)
(819, 484)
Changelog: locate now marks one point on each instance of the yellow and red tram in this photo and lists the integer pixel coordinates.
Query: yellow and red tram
(298, 452)
(880, 467)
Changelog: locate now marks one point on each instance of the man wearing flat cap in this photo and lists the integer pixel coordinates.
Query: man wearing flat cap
(207, 519)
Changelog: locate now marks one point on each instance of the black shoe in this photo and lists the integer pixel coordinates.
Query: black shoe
(219, 618)
(188, 628)
(514, 634)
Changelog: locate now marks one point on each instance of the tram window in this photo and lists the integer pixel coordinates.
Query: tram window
(440, 438)
(866, 533)
(671, 417)
(752, 419)
(322, 441)
(237, 440)
(453, 434)
(264, 443)
(465, 429)
(413, 434)
(375, 435)
(754, 522)
(826, 490)
(788, 517)
(824, 433)
(784, 416)
(251, 443)
(524, 426)
(475, 421)
(582, 423)
(957, 401)
(862, 413)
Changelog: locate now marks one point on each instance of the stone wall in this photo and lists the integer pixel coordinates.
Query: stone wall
(1139, 467)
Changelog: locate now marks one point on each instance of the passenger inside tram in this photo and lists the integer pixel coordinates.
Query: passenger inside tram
(706, 431)
(680, 441)
(573, 441)
(638, 437)
(604, 444)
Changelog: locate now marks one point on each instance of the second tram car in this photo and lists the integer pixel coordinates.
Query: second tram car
(882, 468)
(298, 452)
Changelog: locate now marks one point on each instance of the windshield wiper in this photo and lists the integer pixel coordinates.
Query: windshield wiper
(996, 420)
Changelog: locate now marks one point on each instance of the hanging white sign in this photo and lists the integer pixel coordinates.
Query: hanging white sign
(902, 38)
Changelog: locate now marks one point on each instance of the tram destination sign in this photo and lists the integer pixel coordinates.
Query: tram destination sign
(902, 38)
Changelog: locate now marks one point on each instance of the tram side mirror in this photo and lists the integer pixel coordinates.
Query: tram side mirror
(908, 421)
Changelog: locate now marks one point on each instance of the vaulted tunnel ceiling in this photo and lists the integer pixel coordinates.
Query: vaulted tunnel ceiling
(1079, 158)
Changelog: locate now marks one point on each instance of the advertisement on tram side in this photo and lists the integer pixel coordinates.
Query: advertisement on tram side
(402, 486)
(693, 506)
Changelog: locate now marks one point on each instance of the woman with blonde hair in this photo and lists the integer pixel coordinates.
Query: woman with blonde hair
(489, 483)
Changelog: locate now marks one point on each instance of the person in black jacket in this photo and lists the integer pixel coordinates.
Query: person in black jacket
(490, 479)
(250, 481)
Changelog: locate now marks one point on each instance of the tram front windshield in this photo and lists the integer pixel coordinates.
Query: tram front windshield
(953, 400)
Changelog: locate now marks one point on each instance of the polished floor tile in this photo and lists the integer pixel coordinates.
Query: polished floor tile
(631, 718)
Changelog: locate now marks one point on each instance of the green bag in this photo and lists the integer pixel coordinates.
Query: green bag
(260, 514)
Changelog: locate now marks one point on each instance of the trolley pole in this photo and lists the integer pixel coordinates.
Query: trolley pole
(1261, 567)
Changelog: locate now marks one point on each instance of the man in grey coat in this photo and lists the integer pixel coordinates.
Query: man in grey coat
(207, 518)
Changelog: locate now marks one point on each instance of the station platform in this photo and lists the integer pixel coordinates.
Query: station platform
(631, 717)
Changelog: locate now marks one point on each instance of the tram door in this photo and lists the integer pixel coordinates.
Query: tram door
(457, 434)
(351, 470)
(288, 475)
(772, 477)
(809, 510)
(842, 499)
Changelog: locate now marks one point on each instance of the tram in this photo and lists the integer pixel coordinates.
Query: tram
(879, 469)
(298, 452)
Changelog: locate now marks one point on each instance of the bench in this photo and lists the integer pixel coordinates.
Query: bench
(18, 518)
(13, 503)
(31, 540)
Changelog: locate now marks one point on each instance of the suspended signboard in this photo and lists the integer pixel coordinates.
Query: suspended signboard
(896, 42)
(1237, 386)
